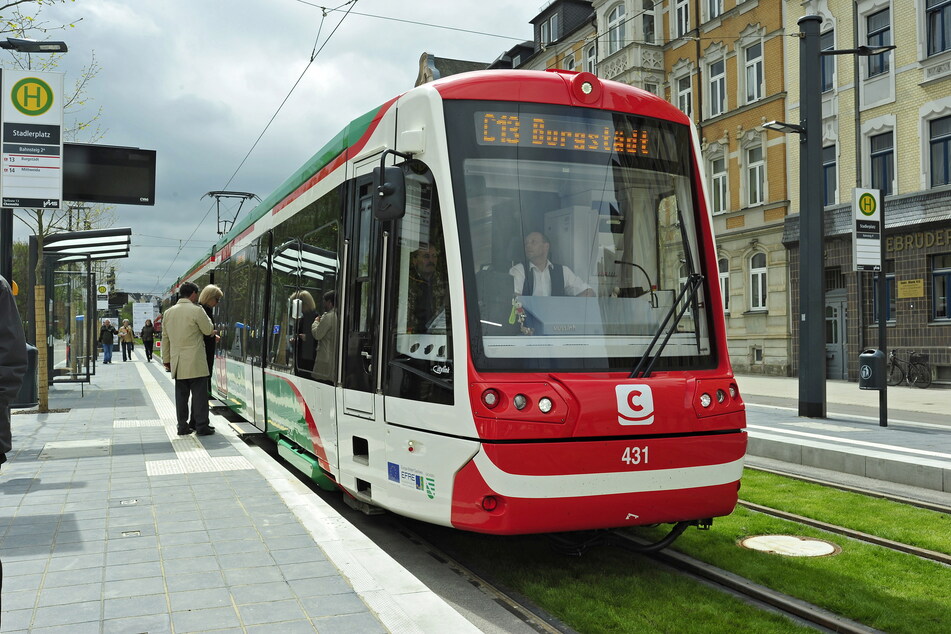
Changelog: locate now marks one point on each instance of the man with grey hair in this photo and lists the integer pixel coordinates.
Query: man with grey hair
(184, 327)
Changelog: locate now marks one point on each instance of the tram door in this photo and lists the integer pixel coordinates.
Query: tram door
(361, 302)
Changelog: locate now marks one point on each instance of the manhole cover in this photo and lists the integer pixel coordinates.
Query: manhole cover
(790, 545)
(76, 448)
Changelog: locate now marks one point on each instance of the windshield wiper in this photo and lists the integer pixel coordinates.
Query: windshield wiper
(646, 364)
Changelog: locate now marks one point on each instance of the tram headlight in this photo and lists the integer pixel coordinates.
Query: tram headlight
(733, 391)
(520, 401)
(545, 404)
(491, 398)
(705, 400)
(721, 396)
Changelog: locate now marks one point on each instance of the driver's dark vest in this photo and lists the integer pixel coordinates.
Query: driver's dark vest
(557, 273)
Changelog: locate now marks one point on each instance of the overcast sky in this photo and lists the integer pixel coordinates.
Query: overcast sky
(198, 81)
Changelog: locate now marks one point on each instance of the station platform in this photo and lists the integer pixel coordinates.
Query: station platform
(110, 522)
(912, 450)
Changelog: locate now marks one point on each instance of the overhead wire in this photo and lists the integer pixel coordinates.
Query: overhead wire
(416, 22)
(313, 56)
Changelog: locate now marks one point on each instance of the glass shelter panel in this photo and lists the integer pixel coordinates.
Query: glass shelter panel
(576, 225)
(71, 343)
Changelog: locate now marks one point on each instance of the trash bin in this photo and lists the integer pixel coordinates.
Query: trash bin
(28, 395)
(872, 370)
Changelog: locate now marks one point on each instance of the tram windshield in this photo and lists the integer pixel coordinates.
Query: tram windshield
(579, 231)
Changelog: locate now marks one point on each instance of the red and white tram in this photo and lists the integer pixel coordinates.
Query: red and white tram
(379, 324)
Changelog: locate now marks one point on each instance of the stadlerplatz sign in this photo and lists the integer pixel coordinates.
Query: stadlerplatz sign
(867, 228)
(31, 110)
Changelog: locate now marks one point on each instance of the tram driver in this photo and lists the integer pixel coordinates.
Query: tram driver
(547, 279)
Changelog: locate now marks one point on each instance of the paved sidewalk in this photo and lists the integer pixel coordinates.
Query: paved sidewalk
(934, 400)
(913, 450)
(110, 522)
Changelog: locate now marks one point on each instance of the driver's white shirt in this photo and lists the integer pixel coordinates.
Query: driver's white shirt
(574, 285)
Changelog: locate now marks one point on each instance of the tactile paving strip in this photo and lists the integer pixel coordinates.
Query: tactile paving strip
(191, 455)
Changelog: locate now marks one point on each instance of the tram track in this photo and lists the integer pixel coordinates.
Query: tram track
(734, 584)
(534, 617)
(923, 504)
(924, 553)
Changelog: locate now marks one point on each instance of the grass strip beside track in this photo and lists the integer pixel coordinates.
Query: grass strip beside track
(611, 591)
(607, 590)
(883, 589)
(876, 516)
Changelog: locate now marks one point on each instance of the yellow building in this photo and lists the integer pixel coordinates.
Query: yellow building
(895, 137)
(723, 70)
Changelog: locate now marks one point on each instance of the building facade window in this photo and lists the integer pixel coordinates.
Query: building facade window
(616, 24)
(682, 18)
(940, 140)
(827, 43)
(882, 159)
(717, 88)
(569, 63)
(719, 195)
(890, 294)
(549, 30)
(938, 25)
(685, 95)
(714, 8)
(754, 72)
(941, 278)
(591, 59)
(724, 265)
(651, 87)
(758, 281)
(829, 180)
(879, 33)
(647, 20)
(755, 175)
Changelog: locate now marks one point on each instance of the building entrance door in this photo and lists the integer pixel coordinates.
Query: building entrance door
(835, 313)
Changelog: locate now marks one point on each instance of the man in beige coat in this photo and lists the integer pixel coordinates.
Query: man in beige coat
(184, 327)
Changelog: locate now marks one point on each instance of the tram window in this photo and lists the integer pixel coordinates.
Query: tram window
(420, 330)
(317, 357)
(619, 222)
(304, 267)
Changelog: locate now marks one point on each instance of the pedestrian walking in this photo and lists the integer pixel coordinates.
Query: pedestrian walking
(13, 365)
(107, 337)
(126, 340)
(184, 327)
(148, 339)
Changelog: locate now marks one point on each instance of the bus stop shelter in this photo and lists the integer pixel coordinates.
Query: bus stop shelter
(72, 326)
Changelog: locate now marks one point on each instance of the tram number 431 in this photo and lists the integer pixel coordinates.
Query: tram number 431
(634, 455)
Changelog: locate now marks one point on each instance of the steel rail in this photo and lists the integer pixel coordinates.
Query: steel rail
(924, 553)
(532, 616)
(790, 606)
(924, 504)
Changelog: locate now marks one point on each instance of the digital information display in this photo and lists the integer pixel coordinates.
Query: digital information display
(564, 132)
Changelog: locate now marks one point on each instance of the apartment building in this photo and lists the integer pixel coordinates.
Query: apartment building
(886, 124)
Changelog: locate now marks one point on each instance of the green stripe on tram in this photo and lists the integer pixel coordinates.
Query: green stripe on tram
(331, 150)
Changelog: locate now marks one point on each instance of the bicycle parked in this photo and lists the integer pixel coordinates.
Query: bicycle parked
(915, 370)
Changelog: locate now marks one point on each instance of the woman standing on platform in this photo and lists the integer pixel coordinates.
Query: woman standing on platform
(148, 339)
(208, 299)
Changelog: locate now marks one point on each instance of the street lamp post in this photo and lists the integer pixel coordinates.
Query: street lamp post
(6, 213)
(812, 357)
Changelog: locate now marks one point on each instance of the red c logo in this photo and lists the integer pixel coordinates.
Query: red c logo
(632, 403)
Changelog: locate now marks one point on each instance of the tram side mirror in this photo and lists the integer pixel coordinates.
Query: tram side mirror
(297, 309)
(389, 202)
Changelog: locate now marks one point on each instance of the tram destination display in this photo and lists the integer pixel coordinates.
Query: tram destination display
(629, 136)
